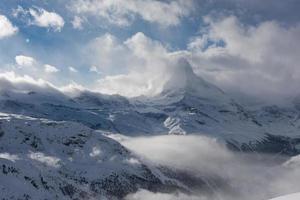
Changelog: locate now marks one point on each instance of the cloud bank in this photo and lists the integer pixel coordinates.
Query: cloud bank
(259, 60)
(10, 81)
(146, 62)
(244, 175)
(147, 195)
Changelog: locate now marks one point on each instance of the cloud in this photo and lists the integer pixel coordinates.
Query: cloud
(29, 66)
(147, 195)
(107, 53)
(73, 89)
(260, 60)
(40, 17)
(147, 66)
(44, 18)
(123, 13)
(25, 61)
(72, 69)
(229, 175)
(77, 22)
(47, 160)
(94, 69)
(6, 27)
(12, 81)
(50, 69)
(213, 155)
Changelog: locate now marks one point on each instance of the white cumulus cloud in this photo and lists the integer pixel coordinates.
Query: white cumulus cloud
(146, 63)
(50, 68)
(11, 80)
(260, 60)
(77, 22)
(40, 17)
(72, 69)
(25, 61)
(6, 27)
(43, 18)
(107, 53)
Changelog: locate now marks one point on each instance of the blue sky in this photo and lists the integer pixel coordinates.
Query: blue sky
(96, 44)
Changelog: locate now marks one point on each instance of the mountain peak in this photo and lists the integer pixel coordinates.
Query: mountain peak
(183, 81)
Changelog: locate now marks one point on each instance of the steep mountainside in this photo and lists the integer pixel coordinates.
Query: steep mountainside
(46, 159)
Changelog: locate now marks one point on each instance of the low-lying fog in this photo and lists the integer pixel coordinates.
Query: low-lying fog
(242, 176)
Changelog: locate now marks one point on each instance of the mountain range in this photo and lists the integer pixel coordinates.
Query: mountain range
(57, 146)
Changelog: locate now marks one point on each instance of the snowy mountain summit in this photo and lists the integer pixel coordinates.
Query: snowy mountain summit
(183, 81)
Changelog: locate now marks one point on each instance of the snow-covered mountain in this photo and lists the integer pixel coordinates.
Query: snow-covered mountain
(54, 145)
(187, 105)
(193, 106)
(47, 159)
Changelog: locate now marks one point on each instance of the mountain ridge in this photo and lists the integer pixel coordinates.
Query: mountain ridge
(187, 105)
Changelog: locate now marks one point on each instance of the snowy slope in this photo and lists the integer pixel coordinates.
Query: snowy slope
(44, 159)
(113, 113)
